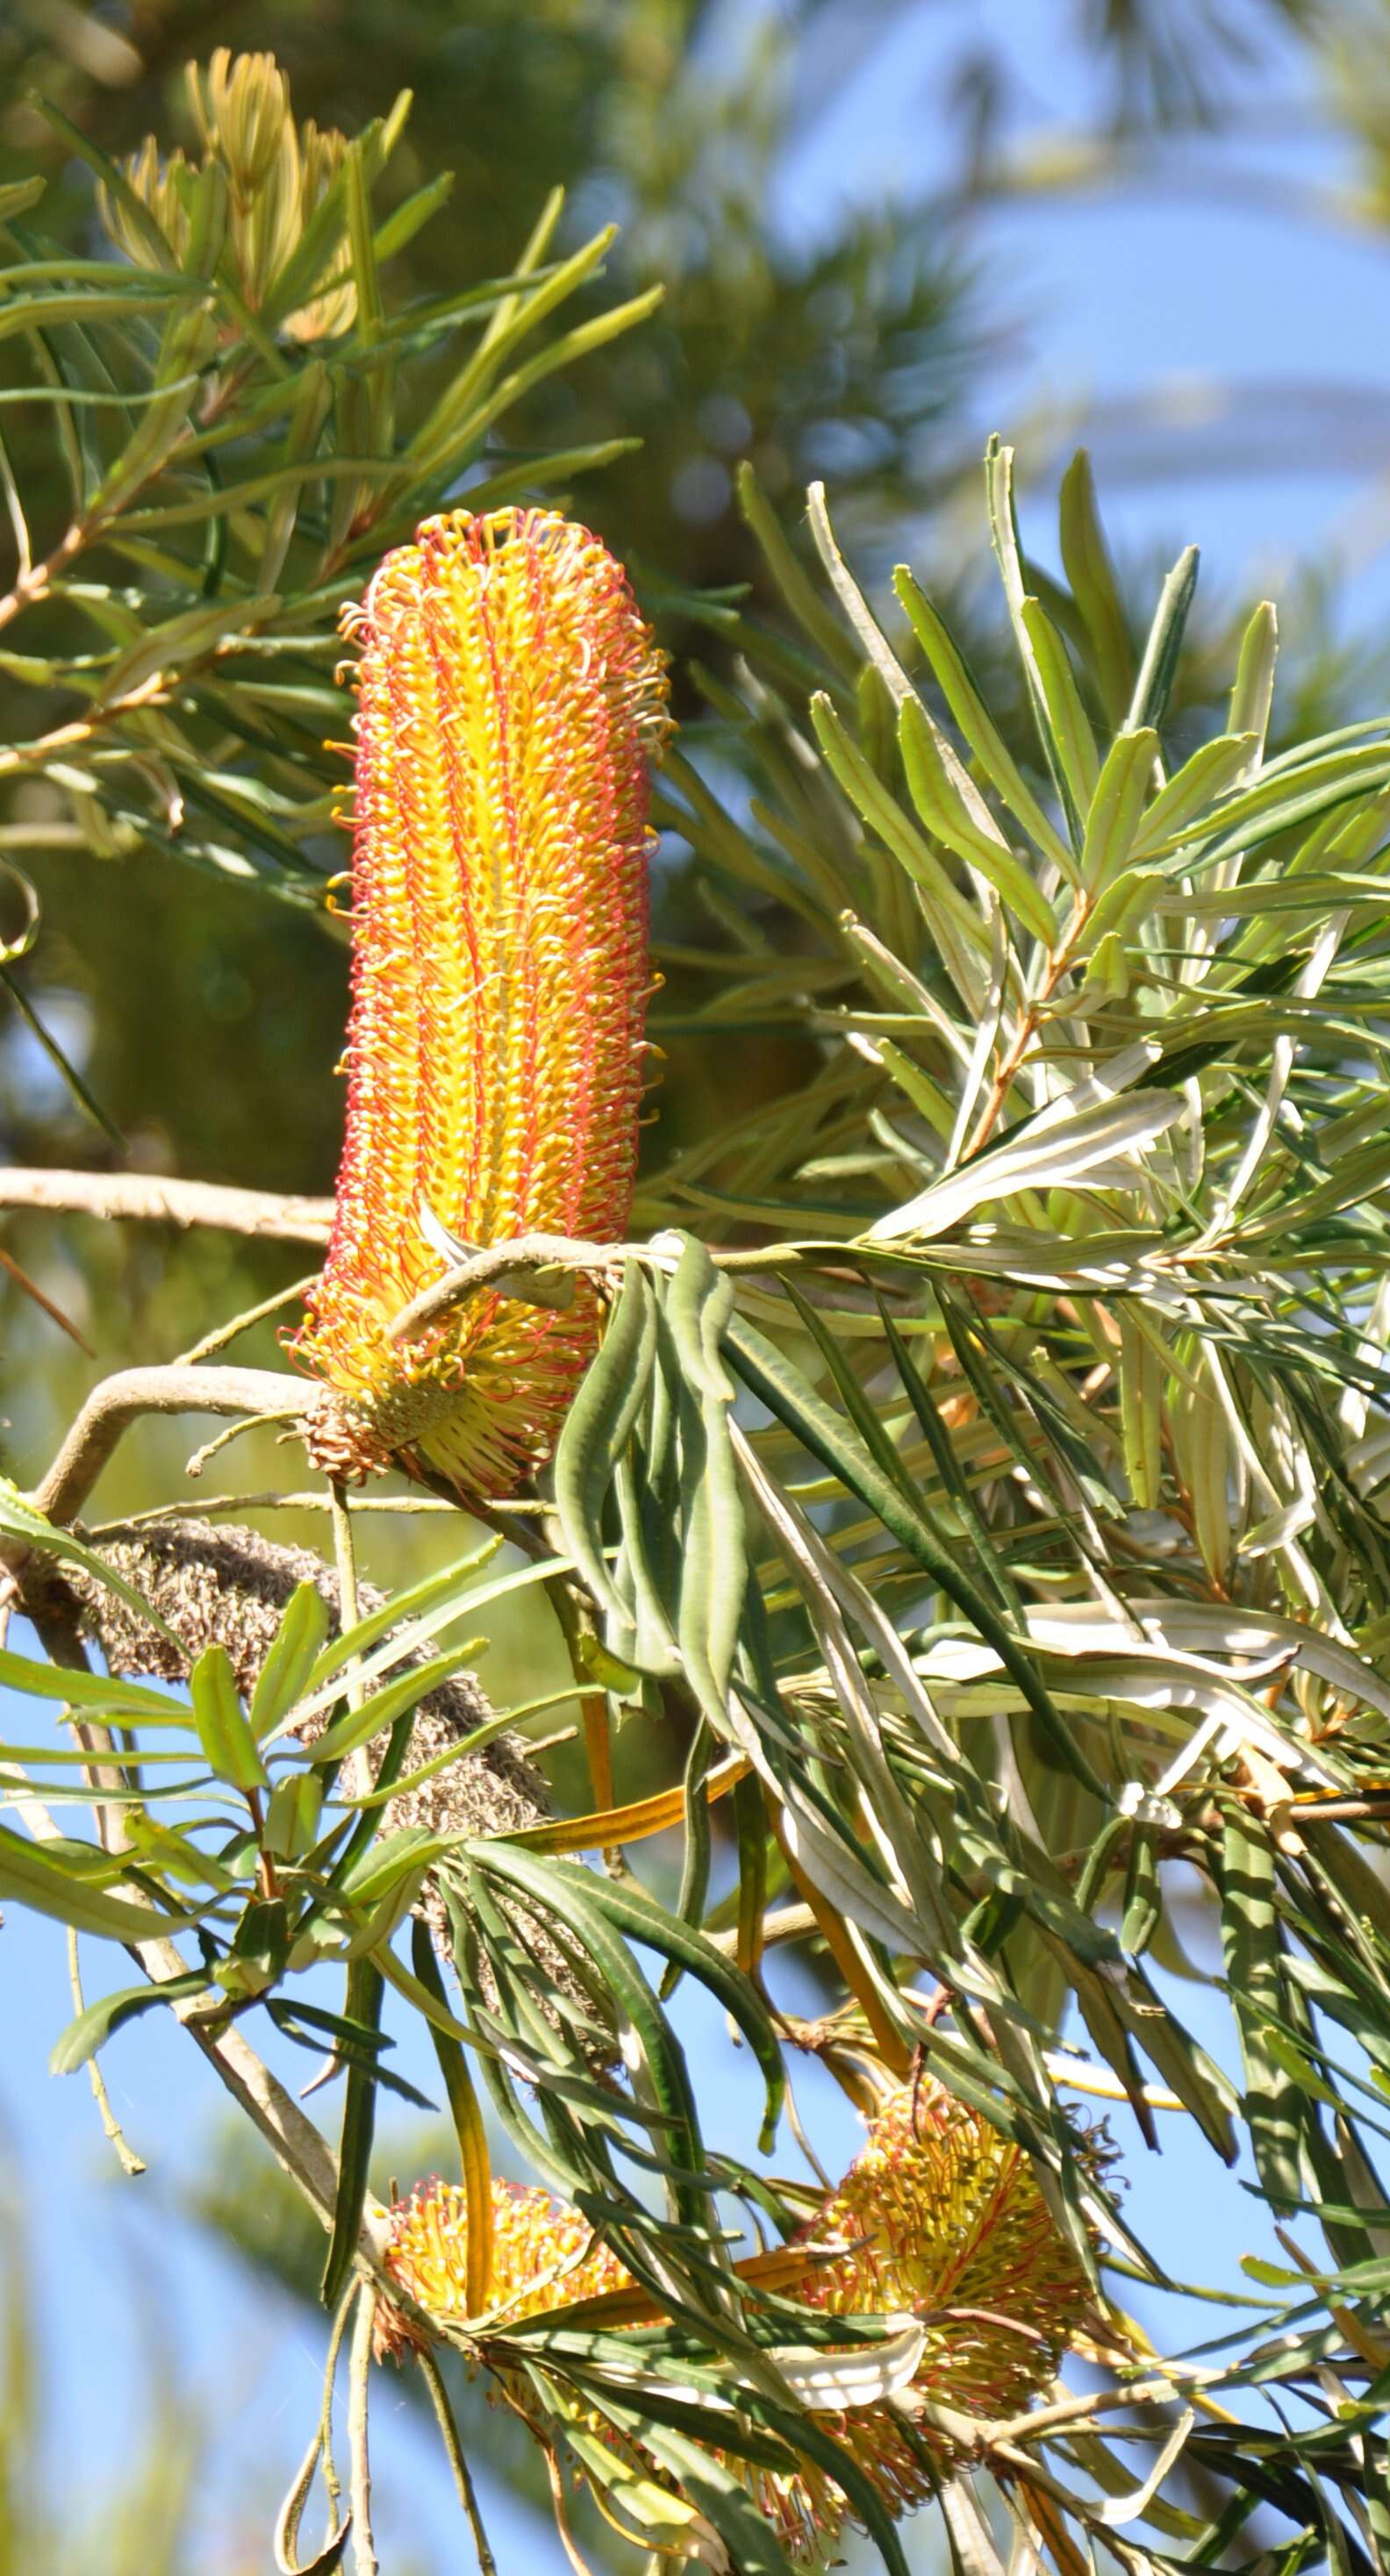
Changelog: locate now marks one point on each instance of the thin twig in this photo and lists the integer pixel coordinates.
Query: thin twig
(463, 2480)
(242, 1323)
(34, 579)
(508, 1270)
(44, 1302)
(364, 2557)
(345, 1562)
(125, 1397)
(203, 1456)
(126, 2156)
(358, 1765)
(221, 1506)
(784, 1923)
(331, 2480)
(1099, 2401)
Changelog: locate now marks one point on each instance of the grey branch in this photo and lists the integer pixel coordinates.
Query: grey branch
(122, 1399)
(157, 1200)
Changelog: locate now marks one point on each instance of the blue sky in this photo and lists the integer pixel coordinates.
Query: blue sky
(1229, 275)
(1221, 278)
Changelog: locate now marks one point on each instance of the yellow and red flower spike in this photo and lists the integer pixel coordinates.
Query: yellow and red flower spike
(511, 706)
(940, 2215)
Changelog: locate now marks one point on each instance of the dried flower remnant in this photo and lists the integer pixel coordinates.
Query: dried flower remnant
(230, 1587)
(511, 704)
(939, 2215)
(276, 175)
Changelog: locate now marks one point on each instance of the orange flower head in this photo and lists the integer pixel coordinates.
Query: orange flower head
(511, 705)
(940, 2216)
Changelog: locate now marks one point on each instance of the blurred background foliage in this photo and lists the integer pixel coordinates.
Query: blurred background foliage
(849, 358)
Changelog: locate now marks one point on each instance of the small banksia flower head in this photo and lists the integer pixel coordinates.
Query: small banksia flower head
(940, 2216)
(942, 2213)
(511, 704)
(544, 2255)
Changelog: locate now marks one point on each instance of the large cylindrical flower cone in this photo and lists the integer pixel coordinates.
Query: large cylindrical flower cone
(511, 704)
(939, 2215)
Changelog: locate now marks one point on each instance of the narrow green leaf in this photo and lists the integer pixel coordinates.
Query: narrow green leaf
(944, 812)
(747, 2535)
(470, 2130)
(510, 325)
(182, 639)
(989, 1562)
(796, 589)
(1253, 693)
(883, 814)
(727, 847)
(431, 1593)
(585, 1911)
(634, 1912)
(1087, 565)
(362, 243)
(1125, 901)
(1251, 1942)
(1112, 819)
(290, 1658)
(20, 1520)
(696, 1307)
(18, 196)
(99, 1692)
(223, 1732)
(1071, 743)
(380, 1709)
(1158, 668)
(49, 1885)
(786, 1393)
(1203, 779)
(92, 2028)
(962, 696)
(113, 178)
(365, 1988)
(292, 1815)
(598, 1427)
(1051, 691)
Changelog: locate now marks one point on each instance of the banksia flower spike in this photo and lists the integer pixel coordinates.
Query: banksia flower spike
(544, 2256)
(942, 2214)
(511, 703)
(939, 2216)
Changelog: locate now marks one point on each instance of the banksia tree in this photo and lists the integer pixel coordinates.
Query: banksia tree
(511, 703)
(967, 1477)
